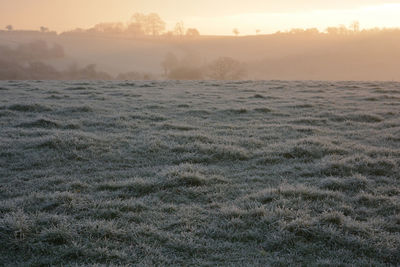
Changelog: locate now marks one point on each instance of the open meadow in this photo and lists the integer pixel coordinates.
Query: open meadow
(199, 173)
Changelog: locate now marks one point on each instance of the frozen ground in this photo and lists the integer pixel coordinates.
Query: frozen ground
(199, 173)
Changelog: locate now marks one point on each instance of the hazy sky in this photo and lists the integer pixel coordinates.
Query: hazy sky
(209, 16)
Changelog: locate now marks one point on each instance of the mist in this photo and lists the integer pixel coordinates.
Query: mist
(143, 49)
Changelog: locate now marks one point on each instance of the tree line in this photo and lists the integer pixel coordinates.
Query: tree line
(152, 25)
(28, 62)
(140, 25)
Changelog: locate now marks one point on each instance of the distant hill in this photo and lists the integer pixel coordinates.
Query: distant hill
(298, 55)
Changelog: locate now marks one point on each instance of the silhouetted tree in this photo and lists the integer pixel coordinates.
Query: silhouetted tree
(226, 68)
(155, 24)
(140, 19)
(355, 26)
(44, 29)
(134, 29)
(151, 24)
(179, 29)
(192, 32)
(9, 27)
(343, 29)
(332, 30)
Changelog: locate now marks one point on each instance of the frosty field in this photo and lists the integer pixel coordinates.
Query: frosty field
(200, 173)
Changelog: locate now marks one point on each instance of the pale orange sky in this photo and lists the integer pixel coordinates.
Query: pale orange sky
(209, 16)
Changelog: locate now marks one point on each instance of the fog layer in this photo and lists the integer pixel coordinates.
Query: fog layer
(106, 53)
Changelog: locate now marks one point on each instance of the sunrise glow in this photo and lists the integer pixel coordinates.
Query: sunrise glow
(209, 17)
(385, 15)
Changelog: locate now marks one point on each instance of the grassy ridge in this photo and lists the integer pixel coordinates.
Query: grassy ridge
(199, 173)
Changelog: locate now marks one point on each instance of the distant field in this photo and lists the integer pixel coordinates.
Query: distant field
(200, 173)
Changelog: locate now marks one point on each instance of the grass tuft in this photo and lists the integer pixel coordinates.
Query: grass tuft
(29, 108)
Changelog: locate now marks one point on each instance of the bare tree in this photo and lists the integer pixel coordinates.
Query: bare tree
(235, 31)
(155, 24)
(9, 27)
(179, 29)
(151, 24)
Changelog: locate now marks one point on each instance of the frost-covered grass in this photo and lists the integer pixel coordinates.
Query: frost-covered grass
(200, 173)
